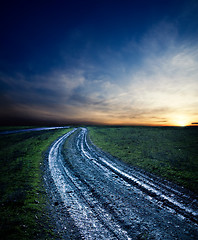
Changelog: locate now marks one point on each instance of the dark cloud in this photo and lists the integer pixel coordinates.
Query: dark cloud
(98, 61)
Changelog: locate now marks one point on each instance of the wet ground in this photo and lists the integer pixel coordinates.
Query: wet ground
(95, 196)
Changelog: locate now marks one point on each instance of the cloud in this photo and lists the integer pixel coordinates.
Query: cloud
(165, 80)
(153, 80)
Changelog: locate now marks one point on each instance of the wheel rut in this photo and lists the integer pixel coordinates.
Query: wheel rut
(107, 199)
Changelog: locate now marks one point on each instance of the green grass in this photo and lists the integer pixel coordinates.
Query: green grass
(169, 152)
(22, 195)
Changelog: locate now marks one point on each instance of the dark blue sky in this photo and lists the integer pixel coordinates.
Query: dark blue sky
(95, 61)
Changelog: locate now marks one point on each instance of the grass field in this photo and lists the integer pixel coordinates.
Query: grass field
(22, 196)
(169, 152)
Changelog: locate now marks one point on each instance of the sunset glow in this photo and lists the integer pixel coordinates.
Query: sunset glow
(100, 65)
(182, 122)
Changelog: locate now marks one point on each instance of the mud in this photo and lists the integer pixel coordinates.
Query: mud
(93, 195)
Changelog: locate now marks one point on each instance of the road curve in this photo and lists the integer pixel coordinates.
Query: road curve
(95, 196)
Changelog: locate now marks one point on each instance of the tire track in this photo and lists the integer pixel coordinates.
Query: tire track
(172, 199)
(109, 200)
(89, 217)
(164, 193)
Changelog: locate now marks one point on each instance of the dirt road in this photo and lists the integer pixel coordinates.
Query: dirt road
(95, 196)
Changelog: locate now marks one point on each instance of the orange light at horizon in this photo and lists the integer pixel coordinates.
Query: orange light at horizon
(181, 121)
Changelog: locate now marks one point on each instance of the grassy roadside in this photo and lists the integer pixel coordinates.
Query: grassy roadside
(168, 152)
(22, 197)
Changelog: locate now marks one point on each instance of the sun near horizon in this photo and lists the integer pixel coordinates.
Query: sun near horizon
(182, 121)
(130, 66)
(179, 121)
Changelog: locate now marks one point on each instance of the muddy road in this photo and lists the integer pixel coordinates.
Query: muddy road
(95, 196)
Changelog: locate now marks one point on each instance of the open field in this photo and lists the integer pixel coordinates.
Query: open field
(22, 196)
(169, 152)
(26, 211)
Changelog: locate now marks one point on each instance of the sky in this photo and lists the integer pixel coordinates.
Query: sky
(111, 62)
